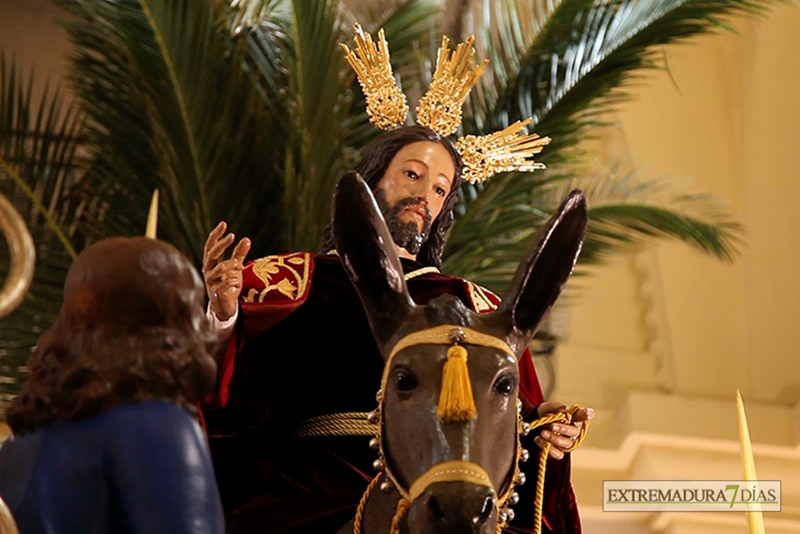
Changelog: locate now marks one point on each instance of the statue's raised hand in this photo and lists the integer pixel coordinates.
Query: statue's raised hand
(223, 277)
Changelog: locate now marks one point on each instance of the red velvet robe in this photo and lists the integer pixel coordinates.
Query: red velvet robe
(302, 348)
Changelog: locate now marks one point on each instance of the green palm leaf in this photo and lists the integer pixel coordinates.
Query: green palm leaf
(326, 122)
(566, 72)
(317, 109)
(40, 169)
(625, 212)
(245, 110)
(173, 106)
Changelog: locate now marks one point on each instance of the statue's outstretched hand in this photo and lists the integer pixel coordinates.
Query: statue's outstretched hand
(223, 277)
(561, 436)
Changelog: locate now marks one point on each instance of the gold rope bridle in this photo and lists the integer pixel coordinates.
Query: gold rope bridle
(455, 404)
(458, 405)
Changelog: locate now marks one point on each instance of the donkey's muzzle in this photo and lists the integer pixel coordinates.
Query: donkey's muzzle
(454, 508)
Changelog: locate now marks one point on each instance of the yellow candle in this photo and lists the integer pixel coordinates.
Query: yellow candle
(152, 217)
(755, 519)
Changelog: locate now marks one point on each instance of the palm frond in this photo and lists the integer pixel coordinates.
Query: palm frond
(505, 31)
(245, 110)
(566, 71)
(317, 109)
(327, 114)
(40, 168)
(488, 239)
(250, 14)
(625, 212)
(163, 117)
(578, 64)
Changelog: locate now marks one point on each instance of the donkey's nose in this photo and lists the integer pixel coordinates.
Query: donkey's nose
(459, 507)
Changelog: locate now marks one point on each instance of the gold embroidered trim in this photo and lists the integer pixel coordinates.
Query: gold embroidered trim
(297, 266)
(420, 272)
(479, 297)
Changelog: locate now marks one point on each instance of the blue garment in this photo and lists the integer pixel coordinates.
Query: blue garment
(141, 467)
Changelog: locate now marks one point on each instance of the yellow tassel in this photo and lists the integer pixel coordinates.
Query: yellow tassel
(455, 400)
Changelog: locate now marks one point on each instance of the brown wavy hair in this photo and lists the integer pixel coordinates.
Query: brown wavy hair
(131, 328)
(373, 165)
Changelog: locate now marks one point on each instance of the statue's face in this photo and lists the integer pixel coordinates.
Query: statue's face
(412, 191)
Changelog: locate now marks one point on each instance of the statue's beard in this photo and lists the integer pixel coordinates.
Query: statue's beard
(405, 235)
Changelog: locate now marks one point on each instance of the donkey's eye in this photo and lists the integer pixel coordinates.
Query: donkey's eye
(505, 385)
(405, 380)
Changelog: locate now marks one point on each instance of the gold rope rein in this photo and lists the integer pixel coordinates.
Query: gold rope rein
(400, 512)
(562, 418)
(362, 504)
(402, 507)
(335, 424)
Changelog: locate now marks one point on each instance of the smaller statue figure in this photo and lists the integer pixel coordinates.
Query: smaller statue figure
(106, 437)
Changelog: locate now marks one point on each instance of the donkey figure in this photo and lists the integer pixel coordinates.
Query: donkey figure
(447, 423)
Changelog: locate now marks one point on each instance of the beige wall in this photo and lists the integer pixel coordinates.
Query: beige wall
(27, 35)
(665, 337)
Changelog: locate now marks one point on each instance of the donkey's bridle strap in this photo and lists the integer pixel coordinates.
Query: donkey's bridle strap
(453, 471)
(448, 334)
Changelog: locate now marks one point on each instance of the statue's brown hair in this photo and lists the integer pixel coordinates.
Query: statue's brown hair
(373, 165)
(131, 328)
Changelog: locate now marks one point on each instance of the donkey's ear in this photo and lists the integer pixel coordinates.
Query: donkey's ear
(369, 256)
(547, 265)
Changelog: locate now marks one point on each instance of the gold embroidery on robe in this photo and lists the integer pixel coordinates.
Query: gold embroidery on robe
(420, 272)
(480, 298)
(292, 279)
